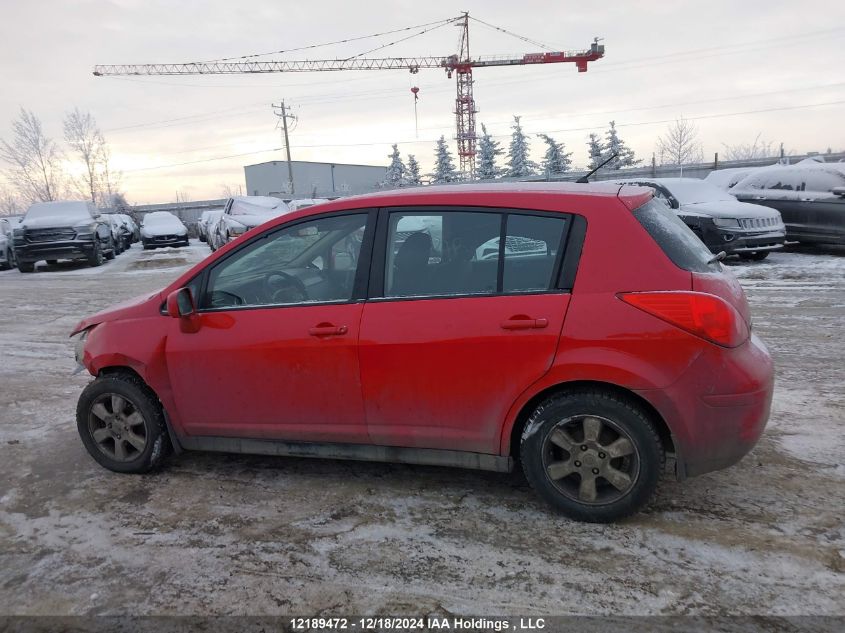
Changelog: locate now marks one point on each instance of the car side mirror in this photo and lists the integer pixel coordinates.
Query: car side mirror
(180, 303)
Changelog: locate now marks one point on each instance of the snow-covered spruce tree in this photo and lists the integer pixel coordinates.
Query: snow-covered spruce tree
(595, 150)
(557, 160)
(413, 176)
(615, 145)
(444, 166)
(396, 171)
(519, 165)
(488, 149)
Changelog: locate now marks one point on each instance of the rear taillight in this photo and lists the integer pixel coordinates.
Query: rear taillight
(704, 315)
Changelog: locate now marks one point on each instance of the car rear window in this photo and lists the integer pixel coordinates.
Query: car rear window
(675, 238)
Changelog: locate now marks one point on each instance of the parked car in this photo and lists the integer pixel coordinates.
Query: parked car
(208, 220)
(118, 232)
(62, 230)
(304, 203)
(162, 228)
(719, 219)
(622, 347)
(243, 213)
(132, 227)
(7, 244)
(809, 196)
(211, 235)
(727, 178)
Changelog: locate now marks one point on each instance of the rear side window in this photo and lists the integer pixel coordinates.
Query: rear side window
(459, 253)
(675, 238)
(531, 249)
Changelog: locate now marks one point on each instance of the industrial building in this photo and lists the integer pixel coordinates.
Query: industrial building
(311, 180)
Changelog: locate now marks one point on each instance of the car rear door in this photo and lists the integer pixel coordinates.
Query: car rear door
(459, 322)
(276, 354)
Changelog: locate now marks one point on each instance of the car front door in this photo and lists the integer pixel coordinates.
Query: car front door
(459, 322)
(275, 355)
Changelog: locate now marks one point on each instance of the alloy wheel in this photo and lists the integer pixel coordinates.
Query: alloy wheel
(590, 459)
(117, 427)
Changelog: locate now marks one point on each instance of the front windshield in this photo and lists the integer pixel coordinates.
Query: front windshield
(265, 206)
(72, 211)
(696, 191)
(154, 219)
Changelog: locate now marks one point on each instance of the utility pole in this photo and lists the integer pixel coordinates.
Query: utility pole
(284, 113)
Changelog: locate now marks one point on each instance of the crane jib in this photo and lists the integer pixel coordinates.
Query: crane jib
(460, 65)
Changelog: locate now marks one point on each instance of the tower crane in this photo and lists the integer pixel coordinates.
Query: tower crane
(461, 65)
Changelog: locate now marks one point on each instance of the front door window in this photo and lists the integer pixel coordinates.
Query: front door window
(310, 262)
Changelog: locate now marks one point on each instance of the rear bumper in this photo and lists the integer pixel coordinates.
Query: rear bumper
(718, 409)
(76, 249)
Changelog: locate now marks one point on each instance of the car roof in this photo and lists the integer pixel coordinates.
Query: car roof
(662, 181)
(518, 194)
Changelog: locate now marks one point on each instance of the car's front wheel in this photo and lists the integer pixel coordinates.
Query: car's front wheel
(592, 455)
(96, 256)
(122, 425)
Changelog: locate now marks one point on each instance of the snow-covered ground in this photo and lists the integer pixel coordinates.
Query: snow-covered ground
(255, 535)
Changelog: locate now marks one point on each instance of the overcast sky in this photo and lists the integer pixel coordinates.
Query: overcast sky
(696, 59)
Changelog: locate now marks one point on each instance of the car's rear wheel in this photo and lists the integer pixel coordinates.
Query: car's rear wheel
(121, 424)
(756, 257)
(592, 455)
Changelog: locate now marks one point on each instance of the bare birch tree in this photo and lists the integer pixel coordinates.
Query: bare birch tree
(9, 202)
(86, 141)
(34, 158)
(109, 180)
(680, 144)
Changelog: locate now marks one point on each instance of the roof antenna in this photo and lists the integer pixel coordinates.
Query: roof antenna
(586, 177)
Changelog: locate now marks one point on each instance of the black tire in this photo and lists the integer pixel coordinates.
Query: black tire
(6, 265)
(111, 251)
(52, 262)
(756, 257)
(139, 399)
(618, 419)
(26, 267)
(96, 256)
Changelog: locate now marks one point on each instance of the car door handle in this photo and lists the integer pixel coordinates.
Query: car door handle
(327, 329)
(522, 322)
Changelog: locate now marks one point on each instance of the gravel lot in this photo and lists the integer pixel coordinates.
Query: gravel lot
(218, 534)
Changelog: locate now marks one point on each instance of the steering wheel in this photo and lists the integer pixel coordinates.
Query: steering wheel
(283, 287)
(217, 297)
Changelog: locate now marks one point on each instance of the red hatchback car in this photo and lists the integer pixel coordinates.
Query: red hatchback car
(582, 331)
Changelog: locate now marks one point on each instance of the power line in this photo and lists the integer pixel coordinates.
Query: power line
(409, 142)
(204, 160)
